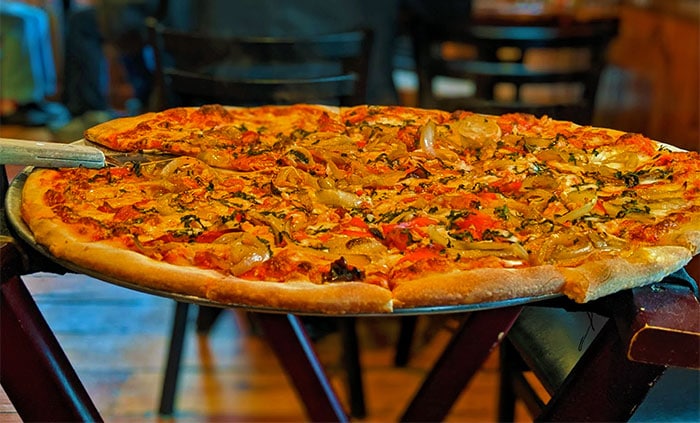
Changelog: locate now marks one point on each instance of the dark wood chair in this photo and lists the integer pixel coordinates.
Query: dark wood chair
(196, 68)
(491, 58)
(550, 68)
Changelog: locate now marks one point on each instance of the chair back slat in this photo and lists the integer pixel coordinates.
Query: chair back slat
(198, 68)
(505, 63)
(259, 91)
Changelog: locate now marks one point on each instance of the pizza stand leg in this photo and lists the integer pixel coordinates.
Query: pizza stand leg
(462, 358)
(172, 365)
(288, 339)
(403, 345)
(353, 368)
(603, 385)
(174, 358)
(650, 328)
(34, 371)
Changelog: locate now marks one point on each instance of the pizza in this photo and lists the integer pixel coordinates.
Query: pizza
(370, 209)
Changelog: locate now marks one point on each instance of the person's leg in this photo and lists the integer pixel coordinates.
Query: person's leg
(86, 73)
(128, 34)
(139, 75)
(45, 51)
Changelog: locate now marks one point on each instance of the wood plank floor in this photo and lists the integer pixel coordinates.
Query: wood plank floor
(117, 341)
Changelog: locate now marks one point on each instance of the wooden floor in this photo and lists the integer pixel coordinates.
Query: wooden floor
(117, 341)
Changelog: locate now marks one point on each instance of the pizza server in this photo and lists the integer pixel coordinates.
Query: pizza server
(49, 154)
(77, 154)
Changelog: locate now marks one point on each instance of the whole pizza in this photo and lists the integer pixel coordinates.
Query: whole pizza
(370, 208)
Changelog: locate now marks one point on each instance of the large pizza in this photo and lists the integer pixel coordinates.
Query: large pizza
(370, 208)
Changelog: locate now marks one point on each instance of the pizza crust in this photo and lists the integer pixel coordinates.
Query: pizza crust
(478, 285)
(330, 298)
(600, 278)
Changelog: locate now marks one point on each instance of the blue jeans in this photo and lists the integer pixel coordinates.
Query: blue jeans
(86, 74)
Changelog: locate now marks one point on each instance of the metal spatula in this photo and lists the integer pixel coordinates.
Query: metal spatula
(49, 154)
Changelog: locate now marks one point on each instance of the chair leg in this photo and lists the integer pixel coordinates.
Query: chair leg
(604, 364)
(172, 366)
(206, 317)
(403, 345)
(293, 348)
(34, 371)
(506, 391)
(458, 363)
(353, 369)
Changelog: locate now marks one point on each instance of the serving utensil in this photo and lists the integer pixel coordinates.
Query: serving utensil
(80, 153)
(50, 154)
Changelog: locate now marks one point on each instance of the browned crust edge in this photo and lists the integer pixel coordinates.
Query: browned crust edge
(331, 298)
(478, 285)
(600, 278)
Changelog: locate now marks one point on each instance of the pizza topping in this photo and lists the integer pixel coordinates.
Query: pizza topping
(246, 251)
(340, 271)
(339, 198)
(427, 138)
